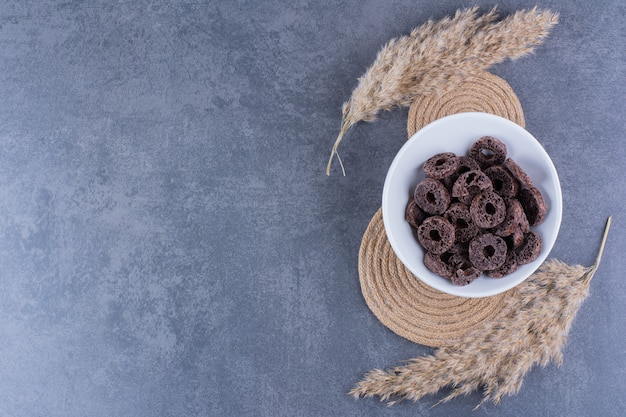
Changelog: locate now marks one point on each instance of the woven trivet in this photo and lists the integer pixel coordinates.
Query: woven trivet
(485, 92)
(401, 301)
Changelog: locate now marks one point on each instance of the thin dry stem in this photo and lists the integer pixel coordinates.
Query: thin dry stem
(344, 129)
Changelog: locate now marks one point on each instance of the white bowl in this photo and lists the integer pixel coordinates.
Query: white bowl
(456, 134)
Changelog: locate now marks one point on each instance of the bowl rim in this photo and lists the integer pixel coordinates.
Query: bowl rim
(441, 283)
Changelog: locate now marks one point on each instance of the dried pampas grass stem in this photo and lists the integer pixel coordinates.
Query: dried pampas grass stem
(437, 56)
(531, 330)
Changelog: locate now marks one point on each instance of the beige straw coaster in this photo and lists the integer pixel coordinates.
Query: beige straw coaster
(401, 301)
(484, 92)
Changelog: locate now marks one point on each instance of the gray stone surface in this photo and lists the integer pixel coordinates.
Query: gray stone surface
(170, 245)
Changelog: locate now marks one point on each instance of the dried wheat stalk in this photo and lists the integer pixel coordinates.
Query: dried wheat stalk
(437, 56)
(531, 329)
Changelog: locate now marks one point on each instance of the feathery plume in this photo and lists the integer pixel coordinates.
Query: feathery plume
(437, 56)
(531, 330)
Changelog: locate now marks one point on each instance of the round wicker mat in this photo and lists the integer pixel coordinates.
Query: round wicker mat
(401, 301)
(485, 92)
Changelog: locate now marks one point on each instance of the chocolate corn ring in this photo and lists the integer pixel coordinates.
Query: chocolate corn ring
(436, 265)
(463, 270)
(441, 165)
(516, 238)
(414, 215)
(487, 252)
(465, 163)
(518, 173)
(459, 216)
(471, 183)
(436, 234)
(431, 196)
(534, 205)
(503, 182)
(487, 210)
(465, 275)
(488, 151)
(515, 218)
(508, 267)
(530, 249)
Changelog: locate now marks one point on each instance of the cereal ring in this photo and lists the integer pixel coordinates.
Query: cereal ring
(464, 276)
(488, 151)
(534, 205)
(436, 235)
(518, 173)
(471, 183)
(459, 216)
(516, 238)
(441, 165)
(463, 272)
(487, 209)
(431, 196)
(530, 249)
(515, 218)
(465, 163)
(523, 224)
(435, 264)
(503, 182)
(414, 215)
(508, 267)
(487, 252)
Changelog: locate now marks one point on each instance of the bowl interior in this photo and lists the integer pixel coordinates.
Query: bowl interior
(456, 133)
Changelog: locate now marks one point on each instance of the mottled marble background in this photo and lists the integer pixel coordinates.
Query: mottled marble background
(170, 245)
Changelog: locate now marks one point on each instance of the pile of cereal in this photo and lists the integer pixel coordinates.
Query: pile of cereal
(472, 214)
